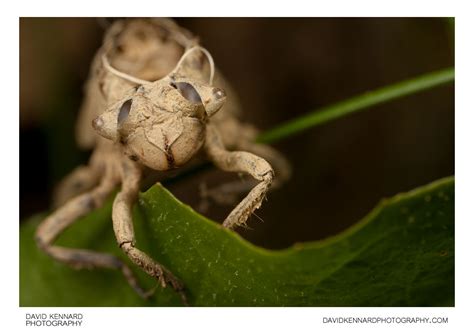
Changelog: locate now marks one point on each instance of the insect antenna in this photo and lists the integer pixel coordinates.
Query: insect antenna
(120, 74)
(209, 58)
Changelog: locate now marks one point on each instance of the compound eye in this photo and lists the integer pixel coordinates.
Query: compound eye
(189, 92)
(124, 112)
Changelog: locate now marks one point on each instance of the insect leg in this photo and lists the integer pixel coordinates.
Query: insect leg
(50, 229)
(81, 179)
(239, 161)
(279, 163)
(124, 232)
(228, 193)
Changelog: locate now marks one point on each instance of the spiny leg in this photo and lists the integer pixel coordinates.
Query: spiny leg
(279, 163)
(239, 161)
(228, 193)
(50, 229)
(243, 136)
(124, 232)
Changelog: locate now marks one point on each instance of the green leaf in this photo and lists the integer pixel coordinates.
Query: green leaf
(358, 103)
(401, 254)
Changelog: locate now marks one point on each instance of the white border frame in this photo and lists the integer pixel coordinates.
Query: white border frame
(238, 319)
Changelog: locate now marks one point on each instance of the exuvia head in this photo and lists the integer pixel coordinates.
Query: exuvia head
(212, 98)
(160, 124)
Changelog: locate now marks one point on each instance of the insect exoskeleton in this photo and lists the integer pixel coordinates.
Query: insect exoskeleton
(161, 124)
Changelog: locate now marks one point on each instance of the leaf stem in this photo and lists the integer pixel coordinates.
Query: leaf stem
(358, 103)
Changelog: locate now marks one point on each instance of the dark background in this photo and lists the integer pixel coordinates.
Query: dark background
(281, 69)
